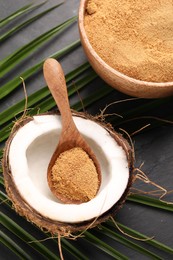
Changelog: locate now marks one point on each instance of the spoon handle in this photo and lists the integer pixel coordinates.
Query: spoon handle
(55, 79)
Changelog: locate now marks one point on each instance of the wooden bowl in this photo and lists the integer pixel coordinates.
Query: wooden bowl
(116, 79)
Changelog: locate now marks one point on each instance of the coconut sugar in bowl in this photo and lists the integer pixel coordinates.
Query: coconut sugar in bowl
(130, 44)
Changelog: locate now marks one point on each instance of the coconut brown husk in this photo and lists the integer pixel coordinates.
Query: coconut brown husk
(52, 226)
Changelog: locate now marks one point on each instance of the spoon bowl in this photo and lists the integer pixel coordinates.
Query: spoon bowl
(70, 136)
(113, 77)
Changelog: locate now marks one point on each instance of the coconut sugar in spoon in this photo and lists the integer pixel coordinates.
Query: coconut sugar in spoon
(74, 173)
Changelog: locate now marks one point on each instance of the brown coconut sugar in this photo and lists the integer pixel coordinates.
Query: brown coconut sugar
(74, 175)
(134, 37)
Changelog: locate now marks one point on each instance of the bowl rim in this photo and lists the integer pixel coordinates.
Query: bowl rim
(81, 14)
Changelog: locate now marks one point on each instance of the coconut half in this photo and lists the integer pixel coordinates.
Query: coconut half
(25, 161)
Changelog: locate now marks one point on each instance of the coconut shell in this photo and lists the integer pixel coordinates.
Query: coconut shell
(52, 226)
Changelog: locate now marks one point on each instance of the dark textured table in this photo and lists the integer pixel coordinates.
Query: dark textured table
(153, 146)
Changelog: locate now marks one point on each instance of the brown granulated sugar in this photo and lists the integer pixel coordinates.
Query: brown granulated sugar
(74, 175)
(134, 37)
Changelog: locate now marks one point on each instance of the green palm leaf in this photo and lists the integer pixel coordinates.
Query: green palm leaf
(137, 234)
(104, 247)
(1, 153)
(43, 106)
(153, 202)
(8, 242)
(25, 236)
(17, 28)
(127, 242)
(14, 83)
(13, 59)
(18, 13)
(37, 96)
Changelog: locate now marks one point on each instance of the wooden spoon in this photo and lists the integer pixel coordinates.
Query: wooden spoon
(70, 136)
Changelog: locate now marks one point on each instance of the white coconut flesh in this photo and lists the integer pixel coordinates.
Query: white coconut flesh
(29, 156)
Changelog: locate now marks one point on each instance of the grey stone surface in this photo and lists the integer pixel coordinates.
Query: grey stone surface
(154, 147)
